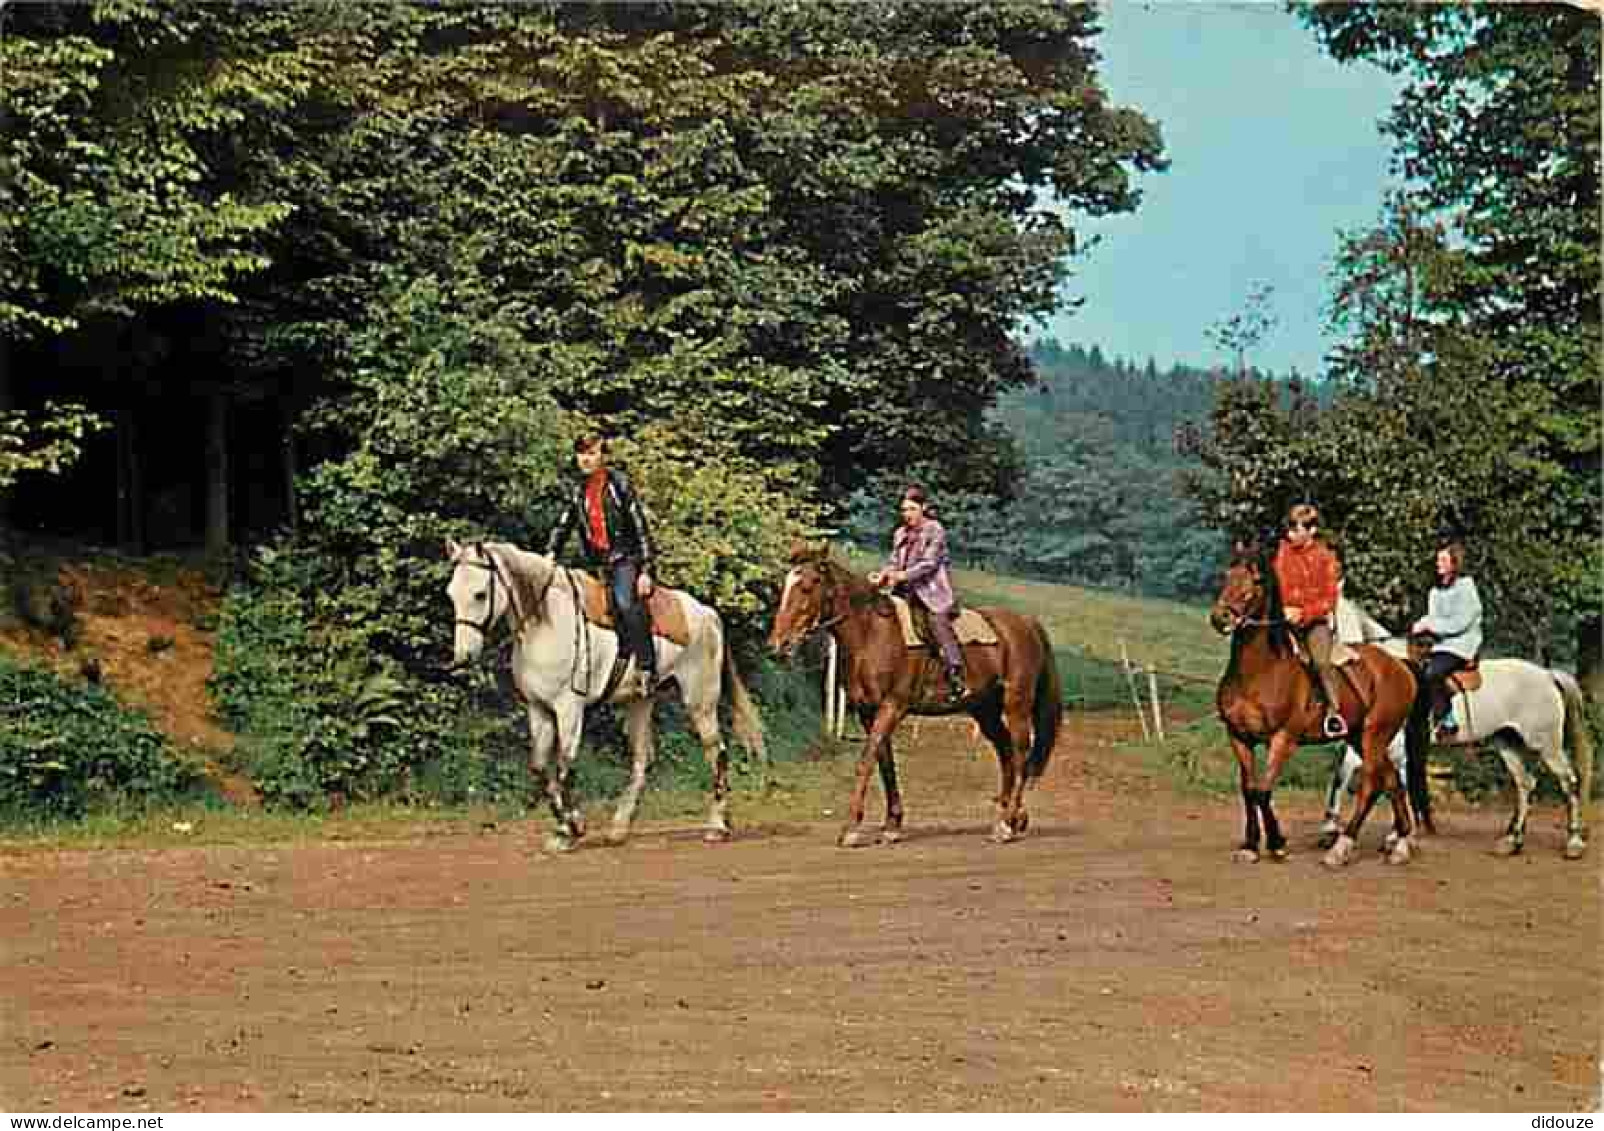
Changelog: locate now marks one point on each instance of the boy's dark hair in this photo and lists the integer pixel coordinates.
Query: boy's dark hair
(590, 441)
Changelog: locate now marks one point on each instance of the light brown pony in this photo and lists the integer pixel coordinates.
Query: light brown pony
(1268, 695)
(1016, 697)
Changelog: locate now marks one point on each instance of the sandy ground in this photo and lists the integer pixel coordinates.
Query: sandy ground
(1115, 959)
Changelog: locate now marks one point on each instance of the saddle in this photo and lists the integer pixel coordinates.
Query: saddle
(663, 609)
(972, 628)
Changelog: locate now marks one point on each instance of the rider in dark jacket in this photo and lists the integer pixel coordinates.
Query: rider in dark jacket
(615, 537)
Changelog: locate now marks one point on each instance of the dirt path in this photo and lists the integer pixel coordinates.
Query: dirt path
(1114, 960)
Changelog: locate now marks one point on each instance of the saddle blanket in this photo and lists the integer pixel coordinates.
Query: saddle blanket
(972, 627)
(663, 606)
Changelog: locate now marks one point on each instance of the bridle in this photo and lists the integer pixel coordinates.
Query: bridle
(487, 562)
(826, 601)
(1239, 621)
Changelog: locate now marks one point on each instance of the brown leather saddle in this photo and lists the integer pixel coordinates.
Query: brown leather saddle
(663, 607)
(1467, 678)
(971, 626)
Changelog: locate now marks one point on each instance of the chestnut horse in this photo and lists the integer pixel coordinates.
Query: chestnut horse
(1015, 697)
(1268, 695)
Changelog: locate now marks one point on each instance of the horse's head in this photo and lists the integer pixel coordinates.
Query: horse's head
(480, 594)
(806, 601)
(1243, 592)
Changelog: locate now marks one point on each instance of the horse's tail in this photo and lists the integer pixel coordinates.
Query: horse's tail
(744, 717)
(1577, 730)
(1047, 714)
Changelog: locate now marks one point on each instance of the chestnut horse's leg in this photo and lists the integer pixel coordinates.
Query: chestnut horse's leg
(1282, 745)
(891, 831)
(990, 720)
(875, 747)
(1017, 719)
(1249, 852)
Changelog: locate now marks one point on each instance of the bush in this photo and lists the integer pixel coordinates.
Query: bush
(319, 708)
(67, 748)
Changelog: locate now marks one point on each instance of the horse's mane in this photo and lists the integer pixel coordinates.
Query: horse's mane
(1276, 630)
(860, 594)
(528, 586)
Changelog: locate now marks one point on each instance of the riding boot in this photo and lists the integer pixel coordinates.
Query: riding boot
(1335, 726)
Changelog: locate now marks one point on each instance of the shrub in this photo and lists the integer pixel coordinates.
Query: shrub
(67, 748)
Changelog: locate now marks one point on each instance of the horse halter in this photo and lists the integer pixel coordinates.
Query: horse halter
(488, 564)
(1241, 620)
(826, 601)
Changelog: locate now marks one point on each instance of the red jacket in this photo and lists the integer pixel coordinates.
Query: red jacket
(1308, 578)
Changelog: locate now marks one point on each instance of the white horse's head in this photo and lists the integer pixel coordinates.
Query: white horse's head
(490, 580)
(480, 595)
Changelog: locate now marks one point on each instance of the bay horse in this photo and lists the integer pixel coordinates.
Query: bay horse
(562, 664)
(1527, 712)
(1016, 697)
(1268, 695)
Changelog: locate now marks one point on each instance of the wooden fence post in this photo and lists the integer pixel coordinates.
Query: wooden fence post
(1158, 714)
(1136, 696)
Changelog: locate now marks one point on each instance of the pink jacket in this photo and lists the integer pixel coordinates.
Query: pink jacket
(923, 554)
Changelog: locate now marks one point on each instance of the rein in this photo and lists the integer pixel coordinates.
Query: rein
(487, 562)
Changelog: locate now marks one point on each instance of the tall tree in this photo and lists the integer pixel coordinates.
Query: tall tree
(1497, 345)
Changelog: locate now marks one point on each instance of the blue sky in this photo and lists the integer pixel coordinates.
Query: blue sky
(1273, 148)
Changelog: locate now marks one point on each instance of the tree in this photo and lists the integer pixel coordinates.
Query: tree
(1496, 350)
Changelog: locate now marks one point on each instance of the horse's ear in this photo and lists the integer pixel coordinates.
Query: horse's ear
(452, 549)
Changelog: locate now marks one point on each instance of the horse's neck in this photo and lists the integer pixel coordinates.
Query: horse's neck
(534, 578)
(1253, 650)
(855, 631)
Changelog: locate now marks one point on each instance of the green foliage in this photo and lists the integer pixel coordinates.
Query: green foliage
(724, 525)
(1097, 496)
(1471, 313)
(67, 749)
(46, 441)
(319, 710)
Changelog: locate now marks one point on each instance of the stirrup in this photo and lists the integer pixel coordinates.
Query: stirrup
(1335, 726)
(645, 684)
(957, 690)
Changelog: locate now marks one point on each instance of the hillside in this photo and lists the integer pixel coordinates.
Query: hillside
(140, 627)
(143, 627)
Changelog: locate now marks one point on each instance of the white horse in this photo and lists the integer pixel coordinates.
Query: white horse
(561, 664)
(1524, 710)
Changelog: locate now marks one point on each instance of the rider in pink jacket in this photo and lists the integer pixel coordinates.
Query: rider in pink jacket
(919, 568)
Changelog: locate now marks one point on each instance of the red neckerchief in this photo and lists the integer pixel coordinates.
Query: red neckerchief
(595, 514)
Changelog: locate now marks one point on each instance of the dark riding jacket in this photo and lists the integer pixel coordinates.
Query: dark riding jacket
(628, 536)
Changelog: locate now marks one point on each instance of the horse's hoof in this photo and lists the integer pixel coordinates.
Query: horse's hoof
(1390, 843)
(1327, 838)
(1001, 833)
(556, 843)
(617, 835)
(1022, 823)
(1279, 855)
(853, 838)
(1508, 846)
(890, 836)
(1400, 852)
(1340, 854)
(1245, 856)
(1575, 849)
(718, 834)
